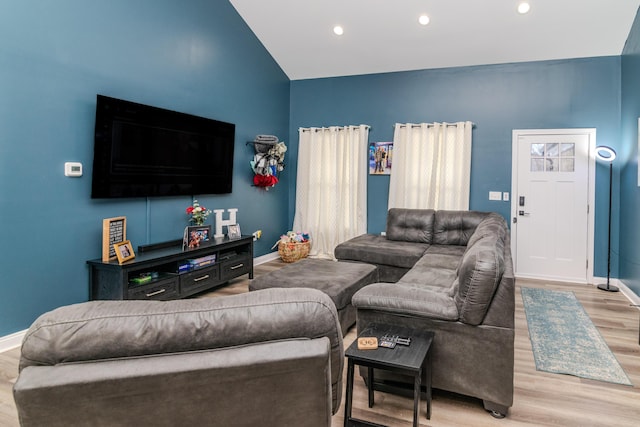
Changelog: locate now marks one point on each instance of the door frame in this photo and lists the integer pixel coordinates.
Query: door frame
(591, 134)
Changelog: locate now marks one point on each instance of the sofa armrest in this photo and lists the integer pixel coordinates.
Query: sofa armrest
(408, 299)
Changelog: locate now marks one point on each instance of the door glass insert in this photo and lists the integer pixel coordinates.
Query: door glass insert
(553, 157)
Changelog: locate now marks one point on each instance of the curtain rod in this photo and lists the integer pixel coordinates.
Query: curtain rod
(332, 127)
(404, 125)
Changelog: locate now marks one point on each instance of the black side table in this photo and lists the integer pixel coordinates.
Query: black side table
(413, 360)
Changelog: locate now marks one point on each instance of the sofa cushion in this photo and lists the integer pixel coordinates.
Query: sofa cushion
(479, 273)
(448, 250)
(410, 225)
(376, 249)
(407, 299)
(436, 279)
(455, 227)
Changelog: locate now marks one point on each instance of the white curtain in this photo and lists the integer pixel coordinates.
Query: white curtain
(331, 194)
(431, 166)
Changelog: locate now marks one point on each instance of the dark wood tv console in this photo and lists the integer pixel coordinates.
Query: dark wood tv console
(113, 281)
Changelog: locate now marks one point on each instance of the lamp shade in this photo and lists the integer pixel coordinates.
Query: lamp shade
(606, 154)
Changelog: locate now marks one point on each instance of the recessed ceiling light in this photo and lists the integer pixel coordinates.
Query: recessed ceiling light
(338, 30)
(423, 20)
(523, 8)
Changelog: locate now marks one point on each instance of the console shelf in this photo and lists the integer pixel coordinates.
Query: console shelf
(160, 269)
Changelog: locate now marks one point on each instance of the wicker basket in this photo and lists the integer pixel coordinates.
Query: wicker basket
(293, 251)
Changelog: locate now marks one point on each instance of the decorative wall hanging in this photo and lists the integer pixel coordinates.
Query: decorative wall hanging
(268, 160)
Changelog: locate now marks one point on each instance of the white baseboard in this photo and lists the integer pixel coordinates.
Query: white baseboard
(12, 341)
(631, 296)
(266, 258)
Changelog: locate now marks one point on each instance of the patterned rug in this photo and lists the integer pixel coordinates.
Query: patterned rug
(564, 339)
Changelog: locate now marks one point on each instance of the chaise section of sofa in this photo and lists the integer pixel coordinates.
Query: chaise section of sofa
(461, 288)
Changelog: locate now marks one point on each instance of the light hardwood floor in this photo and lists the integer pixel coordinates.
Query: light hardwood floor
(541, 399)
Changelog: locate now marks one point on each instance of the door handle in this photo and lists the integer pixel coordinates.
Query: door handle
(523, 213)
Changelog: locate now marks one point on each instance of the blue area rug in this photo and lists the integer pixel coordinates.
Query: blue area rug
(564, 339)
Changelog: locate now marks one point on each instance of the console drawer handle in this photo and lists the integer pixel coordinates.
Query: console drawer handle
(161, 291)
(206, 276)
(237, 266)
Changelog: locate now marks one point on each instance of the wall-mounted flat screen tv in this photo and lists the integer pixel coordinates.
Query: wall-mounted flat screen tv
(144, 151)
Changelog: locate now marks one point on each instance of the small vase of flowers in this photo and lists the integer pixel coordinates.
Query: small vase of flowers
(198, 213)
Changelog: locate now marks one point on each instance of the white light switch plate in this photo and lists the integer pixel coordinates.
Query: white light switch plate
(505, 196)
(495, 195)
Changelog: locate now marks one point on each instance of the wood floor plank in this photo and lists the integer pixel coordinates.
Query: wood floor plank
(540, 399)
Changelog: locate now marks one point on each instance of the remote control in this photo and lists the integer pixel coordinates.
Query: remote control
(387, 344)
(390, 341)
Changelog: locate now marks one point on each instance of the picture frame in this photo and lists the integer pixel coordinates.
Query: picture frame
(124, 251)
(114, 230)
(233, 231)
(380, 156)
(195, 235)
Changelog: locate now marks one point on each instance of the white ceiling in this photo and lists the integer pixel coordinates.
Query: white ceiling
(384, 35)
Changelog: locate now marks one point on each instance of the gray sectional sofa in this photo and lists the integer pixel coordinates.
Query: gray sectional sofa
(449, 272)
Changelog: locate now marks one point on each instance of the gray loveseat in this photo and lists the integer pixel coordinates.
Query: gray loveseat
(265, 358)
(449, 272)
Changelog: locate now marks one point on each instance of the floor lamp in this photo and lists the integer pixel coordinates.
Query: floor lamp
(608, 154)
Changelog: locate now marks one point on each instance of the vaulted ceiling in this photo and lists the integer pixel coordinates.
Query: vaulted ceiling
(385, 35)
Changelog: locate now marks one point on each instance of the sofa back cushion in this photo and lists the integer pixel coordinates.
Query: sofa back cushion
(410, 225)
(455, 227)
(479, 273)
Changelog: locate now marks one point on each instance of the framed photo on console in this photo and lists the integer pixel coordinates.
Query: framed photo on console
(195, 235)
(114, 230)
(124, 251)
(233, 231)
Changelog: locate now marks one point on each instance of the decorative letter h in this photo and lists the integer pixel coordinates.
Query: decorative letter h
(220, 222)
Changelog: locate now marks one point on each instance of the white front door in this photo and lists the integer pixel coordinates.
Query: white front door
(551, 229)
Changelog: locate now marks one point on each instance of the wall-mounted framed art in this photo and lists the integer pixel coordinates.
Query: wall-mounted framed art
(380, 157)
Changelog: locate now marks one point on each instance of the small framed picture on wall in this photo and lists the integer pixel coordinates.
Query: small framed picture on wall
(380, 158)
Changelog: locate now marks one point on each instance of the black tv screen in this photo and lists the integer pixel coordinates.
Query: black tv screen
(144, 151)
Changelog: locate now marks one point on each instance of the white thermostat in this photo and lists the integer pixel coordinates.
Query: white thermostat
(72, 169)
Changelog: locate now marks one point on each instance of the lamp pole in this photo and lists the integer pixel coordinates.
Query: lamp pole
(608, 287)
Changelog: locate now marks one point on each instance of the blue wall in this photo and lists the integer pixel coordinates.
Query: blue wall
(629, 190)
(199, 58)
(582, 93)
